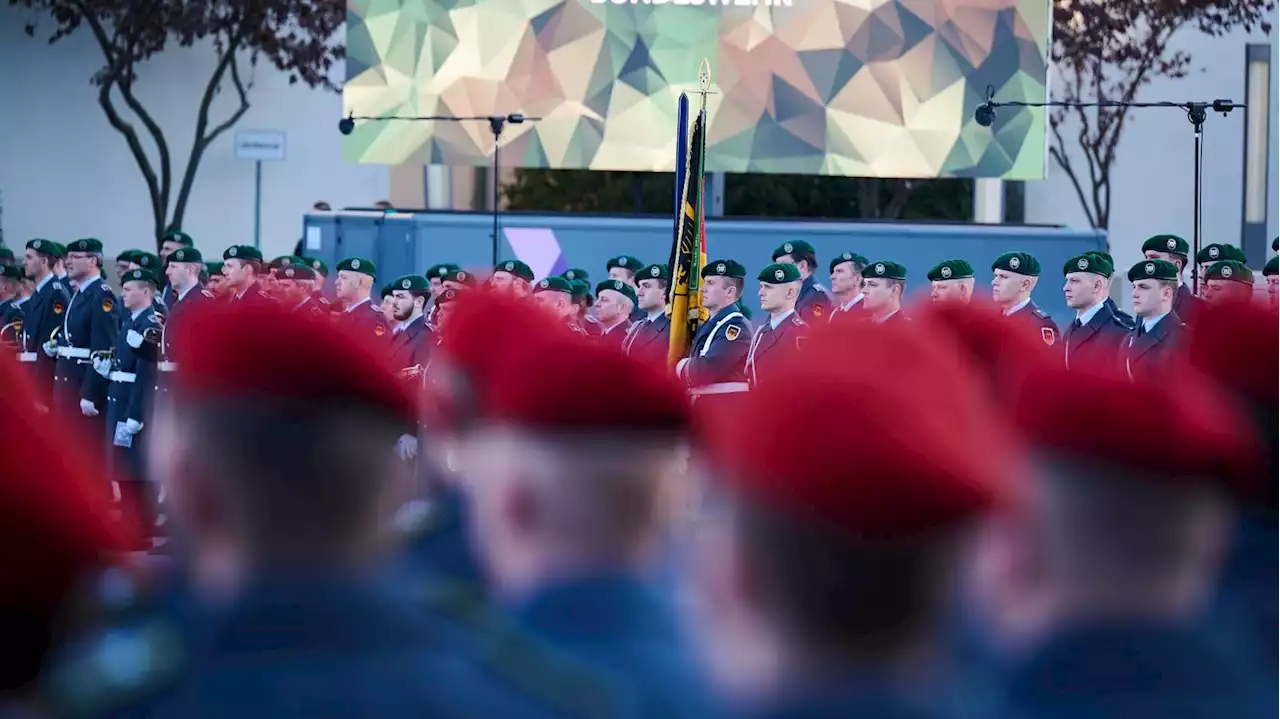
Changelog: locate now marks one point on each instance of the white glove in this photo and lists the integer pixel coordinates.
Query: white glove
(50, 348)
(102, 366)
(680, 366)
(132, 426)
(134, 338)
(87, 408)
(407, 446)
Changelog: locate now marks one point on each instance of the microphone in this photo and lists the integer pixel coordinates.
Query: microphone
(347, 125)
(985, 114)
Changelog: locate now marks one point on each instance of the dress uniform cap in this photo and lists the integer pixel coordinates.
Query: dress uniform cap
(286, 261)
(1230, 270)
(411, 283)
(40, 244)
(185, 254)
(1153, 270)
(580, 289)
(792, 247)
(1166, 243)
(1194, 433)
(1021, 263)
(1275, 245)
(843, 257)
(242, 252)
(317, 265)
(553, 283)
(886, 269)
(725, 268)
(13, 272)
(779, 273)
(178, 236)
(515, 267)
(950, 270)
(915, 471)
(86, 244)
(618, 286)
(140, 276)
(148, 260)
(1089, 262)
(626, 262)
(385, 291)
(1272, 268)
(261, 349)
(439, 271)
(1218, 251)
(449, 295)
(358, 264)
(213, 267)
(653, 272)
(575, 273)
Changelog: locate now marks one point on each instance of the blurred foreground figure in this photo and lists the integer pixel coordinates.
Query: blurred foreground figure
(275, 445)
(1098, 595)
(824, 573)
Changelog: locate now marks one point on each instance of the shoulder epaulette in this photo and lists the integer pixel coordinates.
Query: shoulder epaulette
(795, 320)
(56, 285)
(208, 294)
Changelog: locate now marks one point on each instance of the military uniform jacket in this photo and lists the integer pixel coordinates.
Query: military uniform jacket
(1186, 304)
(412, 345)
(718, 354)
(769, 345)
(367, 320)
(615, 336)
(591, 326)
(1030, 313)
(89, 324)
(174, 314)
(14, 310)
(315, 305)
(1096, 343)
(857, 311)
(649, 340)
(1143, 351)
(133, 398)
(1125, 318)
(814, 302)
(43, 314)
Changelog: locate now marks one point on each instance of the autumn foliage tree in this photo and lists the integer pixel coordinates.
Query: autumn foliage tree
(294, 36)
(1107, 50)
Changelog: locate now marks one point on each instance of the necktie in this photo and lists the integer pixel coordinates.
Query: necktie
(1076, 323)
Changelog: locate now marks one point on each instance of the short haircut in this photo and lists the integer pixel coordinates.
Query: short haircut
(809, 258)
(736, 283)
(661, 282)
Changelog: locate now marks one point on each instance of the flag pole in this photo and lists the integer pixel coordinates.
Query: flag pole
(682, 154)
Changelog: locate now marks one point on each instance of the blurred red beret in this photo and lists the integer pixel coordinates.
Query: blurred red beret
(263, 350)
(878, 429)
(1237, 344)
(1171, 426)
(1000, 348)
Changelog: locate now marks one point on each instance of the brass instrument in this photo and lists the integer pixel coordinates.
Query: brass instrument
(9, 336)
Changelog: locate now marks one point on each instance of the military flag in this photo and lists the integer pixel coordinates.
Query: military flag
(689, 246)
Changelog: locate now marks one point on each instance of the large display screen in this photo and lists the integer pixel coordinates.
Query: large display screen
(876, 88)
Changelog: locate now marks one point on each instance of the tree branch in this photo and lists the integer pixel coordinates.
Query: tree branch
(157, 133)
(1060, 156)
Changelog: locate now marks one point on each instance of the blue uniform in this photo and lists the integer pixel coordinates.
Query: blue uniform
(1142, 351)
(440, 544)
(89, 324)
(855, 697)
(616, 623)
(771, 344)
(132, 382)
(367, 321)
(1095, 343)
(42, 315)
(1185, 304)
(412, 345)
(813, 304)
(1125, 318)
(718, 353)
(649, 340)
(1047, 331)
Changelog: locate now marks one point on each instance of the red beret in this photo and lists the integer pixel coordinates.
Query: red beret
(1238, 345)
(57, 519)
(888, 444)
(998, 347)
(263, 350)
(1174, 426)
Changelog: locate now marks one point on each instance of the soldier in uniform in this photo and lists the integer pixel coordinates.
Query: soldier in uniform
(458, 279)
(582, 302)
(353, 287)
(42, 315)
(1014, 276)
(615, 302)
(624, 268)
(650, 338)
(435, 274)
(411, 339)
(1159, 329)
(1272, 272)
(1216, 252)
(183, 272)
(951, 281)
(512, 276)
(814, 304)
(1125, 318)
(576, 274)
(1174, 249)
(124, 263)
(555, 294)
(1228, 281)
(883, 284)
(89, 324)
(784, 332)
(170, 243)
(242, 268)
(846, 283)
(213, 279)
(6, 257)
(1094, 336)
(717, 361)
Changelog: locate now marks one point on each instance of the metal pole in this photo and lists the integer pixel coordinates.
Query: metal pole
(257, 204)
(496, 134)
(1197, 115)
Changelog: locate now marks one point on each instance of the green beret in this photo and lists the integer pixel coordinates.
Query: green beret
(87, 244)
(213, 267)
(793, 248)
(554, 283)
(951, 270)
(779, 273)
(581, 290)
(178, 236)
(1021, 263)
(1218, 252)
(515, 267)
(1096, 263)
(148, 261)
(412, 283)
(242, 252)
(14, 272)
(448, 296)
(438, 272)
(887, 269)
(1166, 243)
(317, 265)
(47, 247)
(140, 275)
(725, 268)
(128, 256)
(385, 292)
(6, 253)
(853, 257)
(59, 249)
(626, 262)
(1230, 270)
(460, 276)
(182, 254)
(576, 273)
(1275, 245)
(1154, 270)
(618, 286)
(284, 261)
(653, 272)
(358, 264)
(1272, 268)
(296, 271)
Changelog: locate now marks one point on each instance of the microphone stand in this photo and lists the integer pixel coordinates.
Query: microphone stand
(497, 123)
(1197, 113)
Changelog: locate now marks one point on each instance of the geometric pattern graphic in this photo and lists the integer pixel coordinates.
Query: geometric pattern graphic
(872, 88)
